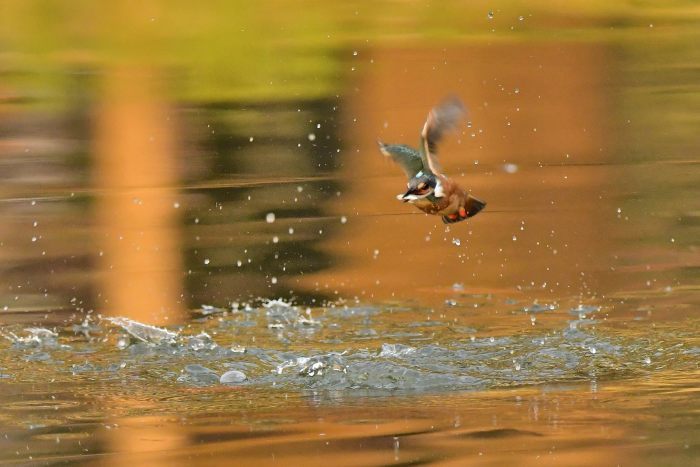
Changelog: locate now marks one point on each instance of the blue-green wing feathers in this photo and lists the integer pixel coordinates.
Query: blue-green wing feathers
(408, 158)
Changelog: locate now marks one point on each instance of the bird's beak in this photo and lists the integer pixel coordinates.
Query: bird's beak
(410, 195)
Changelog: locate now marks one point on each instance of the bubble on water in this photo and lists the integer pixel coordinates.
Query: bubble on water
(515, 238)
(239, 263)
(34, 239)
(354, 53)
(312, 137)
(490, 14)
(592, 350)
(458, 287)
(273, 280)
(176, 205)
(375, 253)
(275, 239)
(291, 231)
(206, 261)
(343, 220)
(270, 217)
(456, 241)
(251, 139)
(233, 377)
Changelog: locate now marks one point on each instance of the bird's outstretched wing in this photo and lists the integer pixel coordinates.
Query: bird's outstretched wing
(408, 158)
(441, 119)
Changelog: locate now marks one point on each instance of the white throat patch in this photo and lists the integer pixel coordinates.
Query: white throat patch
(438, 192)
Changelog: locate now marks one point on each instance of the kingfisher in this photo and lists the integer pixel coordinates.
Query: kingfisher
(428, 188)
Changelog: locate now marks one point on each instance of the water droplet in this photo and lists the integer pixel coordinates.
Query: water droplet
(490, 15)
(343, 220)
(275, 239)
(592, 350)
(206, 261)
(312, 137)
(456, 241)
(239, 263)
(273, 280)
(510, 168)
(291, 230)
(270, 218)
(251, 139)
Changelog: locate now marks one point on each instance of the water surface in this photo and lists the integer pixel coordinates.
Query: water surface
(213, 172)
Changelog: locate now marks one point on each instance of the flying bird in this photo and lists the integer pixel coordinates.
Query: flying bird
(428, 188)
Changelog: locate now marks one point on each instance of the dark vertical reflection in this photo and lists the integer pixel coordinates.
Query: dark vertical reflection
(45, 248)
(258, 160)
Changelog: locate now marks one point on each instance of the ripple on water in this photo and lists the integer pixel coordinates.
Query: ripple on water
(346, 353)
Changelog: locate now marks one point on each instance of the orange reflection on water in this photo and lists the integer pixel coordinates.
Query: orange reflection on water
(136, 211)
(533, 106)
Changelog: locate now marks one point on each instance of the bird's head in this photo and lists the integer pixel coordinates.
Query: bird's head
(420, 186)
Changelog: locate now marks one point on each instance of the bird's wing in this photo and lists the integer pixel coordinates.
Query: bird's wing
(441, 119)
(408, 158)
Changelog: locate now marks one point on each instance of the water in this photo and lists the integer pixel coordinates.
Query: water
(203, 260)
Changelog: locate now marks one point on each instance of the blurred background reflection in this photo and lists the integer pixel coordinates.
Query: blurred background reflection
(157, 157)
